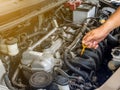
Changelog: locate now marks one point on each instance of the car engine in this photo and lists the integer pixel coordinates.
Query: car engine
(40, 44)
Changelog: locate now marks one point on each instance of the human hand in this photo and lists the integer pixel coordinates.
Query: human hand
(92, 38)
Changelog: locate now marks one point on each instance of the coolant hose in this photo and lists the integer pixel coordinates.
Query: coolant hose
(63, 73)
(117, 36)
(8, 83)
(113, 41)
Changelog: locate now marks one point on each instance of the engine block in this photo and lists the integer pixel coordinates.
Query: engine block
(40, 45)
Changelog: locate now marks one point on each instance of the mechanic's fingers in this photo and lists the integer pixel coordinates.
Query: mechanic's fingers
(87, 38)
(95, 45)
(92, 44)
(89, 44)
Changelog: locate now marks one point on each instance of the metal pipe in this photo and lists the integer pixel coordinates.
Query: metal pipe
(14, 79)
(44, 38)
(78, 38)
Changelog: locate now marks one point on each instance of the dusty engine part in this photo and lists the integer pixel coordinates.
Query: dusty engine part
(113, 65)
(62, 82)
(115, 53)
(3, 87)
(44, 51)
(40, 80)
(115, 62)
(42, 60)
(85, 10)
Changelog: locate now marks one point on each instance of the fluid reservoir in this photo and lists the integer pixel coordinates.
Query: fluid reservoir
(12, 46)
(62, 83)
(40, 80)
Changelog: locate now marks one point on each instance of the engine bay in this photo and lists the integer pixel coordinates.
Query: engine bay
(40, 44)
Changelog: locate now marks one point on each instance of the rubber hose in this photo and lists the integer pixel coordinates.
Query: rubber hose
(117, 36)
(112, 41)
(7, 82)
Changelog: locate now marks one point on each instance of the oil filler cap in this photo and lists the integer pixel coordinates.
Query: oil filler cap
(11, 41)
